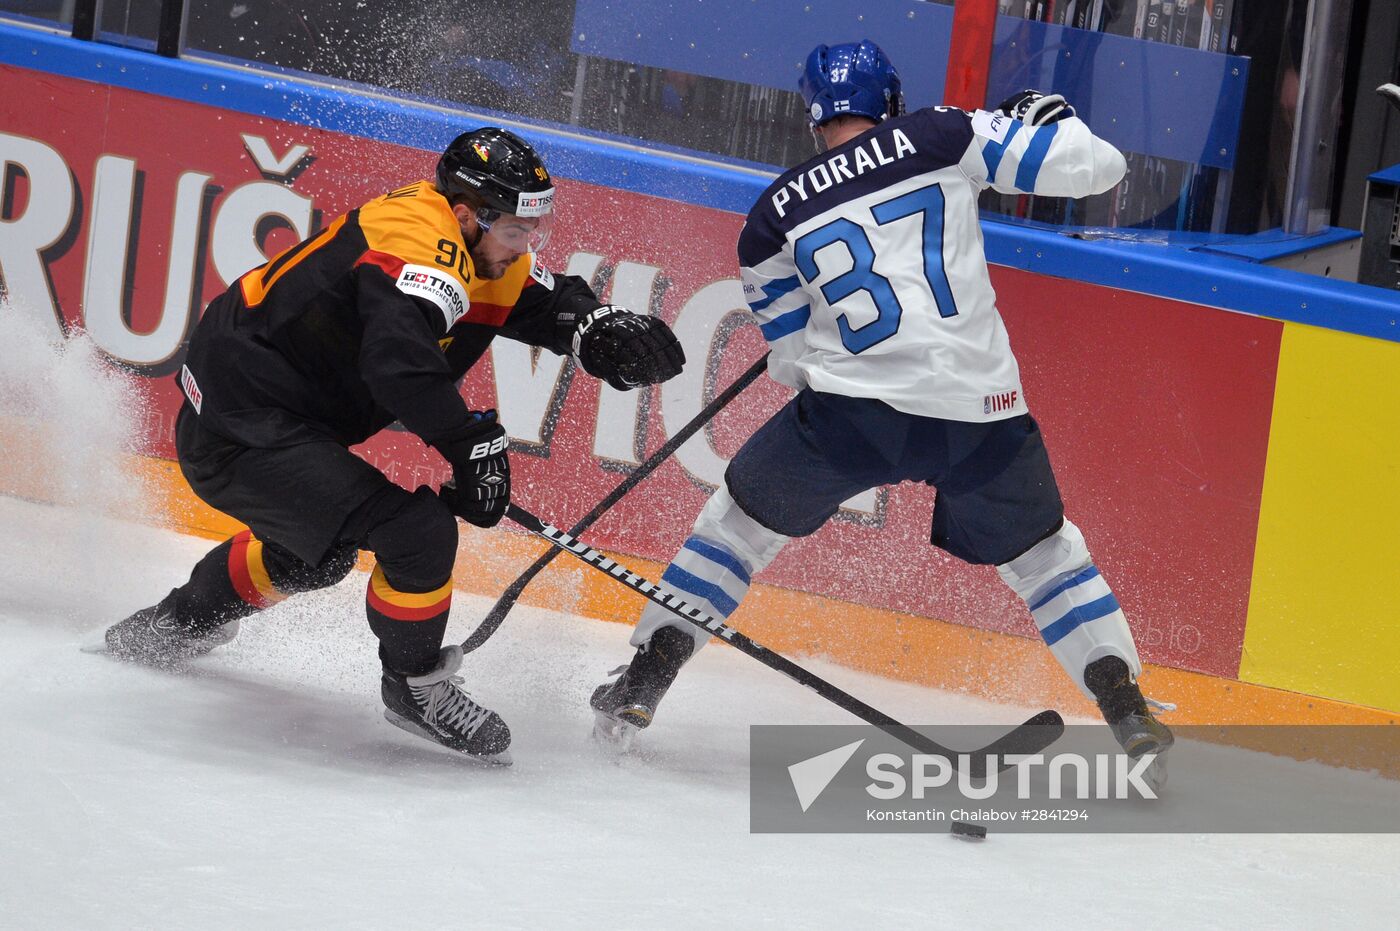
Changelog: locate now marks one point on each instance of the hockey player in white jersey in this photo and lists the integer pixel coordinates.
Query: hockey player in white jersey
(864, 268)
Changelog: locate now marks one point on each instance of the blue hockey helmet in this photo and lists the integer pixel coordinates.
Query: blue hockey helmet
(853, 78)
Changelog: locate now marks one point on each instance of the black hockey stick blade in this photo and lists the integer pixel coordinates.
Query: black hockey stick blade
(1027, 738)
(1031, 737)
(511, 595)
(1391, 93)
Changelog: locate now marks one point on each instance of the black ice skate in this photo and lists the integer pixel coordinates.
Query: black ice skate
(156, 636)
(628, 703)
(434, 706)
(1129, 717)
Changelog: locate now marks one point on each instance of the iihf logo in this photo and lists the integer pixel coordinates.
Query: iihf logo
(1005, 401)
(191, 388)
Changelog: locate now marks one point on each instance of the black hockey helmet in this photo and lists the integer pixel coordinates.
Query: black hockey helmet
(495, 169)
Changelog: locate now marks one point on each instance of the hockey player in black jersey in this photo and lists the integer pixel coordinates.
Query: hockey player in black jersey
(370, 321)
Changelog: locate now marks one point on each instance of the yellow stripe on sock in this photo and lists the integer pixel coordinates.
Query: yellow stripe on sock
(386, 592)
(257, 573)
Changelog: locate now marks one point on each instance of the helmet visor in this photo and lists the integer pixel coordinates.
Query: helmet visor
(516, 233)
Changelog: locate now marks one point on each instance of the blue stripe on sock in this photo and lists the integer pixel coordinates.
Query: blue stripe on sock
(688, 584)
(1029, 169)
(1091, 573)
(1078, 616)
(720, 557)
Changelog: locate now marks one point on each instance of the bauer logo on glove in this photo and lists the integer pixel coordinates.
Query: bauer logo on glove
(480, 486)
(626, 349)
(489, 447)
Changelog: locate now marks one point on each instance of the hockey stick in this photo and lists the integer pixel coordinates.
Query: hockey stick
(1031, 737)
(511, 595)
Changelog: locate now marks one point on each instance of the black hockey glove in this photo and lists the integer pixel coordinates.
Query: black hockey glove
(626, 349)
(1036, 109)
(480, 486)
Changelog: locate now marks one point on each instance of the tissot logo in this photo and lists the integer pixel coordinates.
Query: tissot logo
(443, 290)
(534, 205)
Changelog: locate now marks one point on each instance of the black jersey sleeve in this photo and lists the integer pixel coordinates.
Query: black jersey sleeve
(546, 314)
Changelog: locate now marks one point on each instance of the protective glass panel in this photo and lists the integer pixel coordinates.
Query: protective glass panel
(43, 11)
(122, 22)
(1201, 95)
(536, 58)
(377, 42)
(723, 78)
(130, 22)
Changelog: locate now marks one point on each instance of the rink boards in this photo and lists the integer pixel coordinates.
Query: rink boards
(1232, 466)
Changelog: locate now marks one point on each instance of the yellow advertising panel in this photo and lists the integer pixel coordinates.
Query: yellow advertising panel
(1324, 609)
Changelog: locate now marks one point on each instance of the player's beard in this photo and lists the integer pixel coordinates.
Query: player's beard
(484, 265)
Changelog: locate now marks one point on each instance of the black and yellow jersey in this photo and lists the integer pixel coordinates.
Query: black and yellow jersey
(373, 319)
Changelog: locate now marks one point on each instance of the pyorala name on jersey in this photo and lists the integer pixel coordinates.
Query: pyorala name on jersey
(843, 167)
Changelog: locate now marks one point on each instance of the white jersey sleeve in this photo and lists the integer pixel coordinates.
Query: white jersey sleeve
(782, 310)
(1060, 159)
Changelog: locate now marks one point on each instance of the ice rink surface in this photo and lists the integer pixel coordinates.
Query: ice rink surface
(262, 788)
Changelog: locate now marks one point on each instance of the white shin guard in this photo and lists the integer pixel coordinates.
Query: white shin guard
(1072, 605)
(713, 569)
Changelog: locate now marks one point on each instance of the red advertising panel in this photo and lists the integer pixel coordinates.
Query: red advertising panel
(124, 213)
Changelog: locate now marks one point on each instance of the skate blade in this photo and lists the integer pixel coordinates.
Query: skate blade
(413, 727)
(170, 662)
(1156, 775)
(614, 733)
(96, 644)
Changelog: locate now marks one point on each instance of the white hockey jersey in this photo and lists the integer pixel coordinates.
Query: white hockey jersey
(864, 266)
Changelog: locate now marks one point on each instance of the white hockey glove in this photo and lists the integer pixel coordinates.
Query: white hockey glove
(1036, 109)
